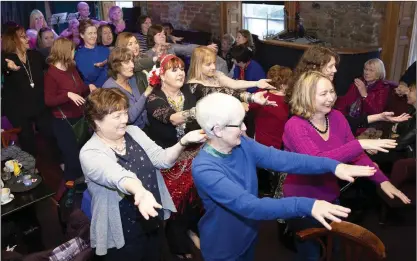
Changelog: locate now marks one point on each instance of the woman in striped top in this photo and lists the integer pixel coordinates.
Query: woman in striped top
(144, 22)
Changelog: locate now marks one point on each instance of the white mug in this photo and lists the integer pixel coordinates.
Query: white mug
(9, 166)
(5, 194)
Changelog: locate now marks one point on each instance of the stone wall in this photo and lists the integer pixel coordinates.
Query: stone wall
(199, 16)
(341, 24)
(345, 24)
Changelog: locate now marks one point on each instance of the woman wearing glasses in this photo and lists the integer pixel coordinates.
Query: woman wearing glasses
(171, 114)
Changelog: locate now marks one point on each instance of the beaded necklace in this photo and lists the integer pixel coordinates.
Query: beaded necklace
(317, 129)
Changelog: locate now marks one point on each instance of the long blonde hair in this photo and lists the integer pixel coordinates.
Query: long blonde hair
(304, 93)
(200, 56)
(32, 19)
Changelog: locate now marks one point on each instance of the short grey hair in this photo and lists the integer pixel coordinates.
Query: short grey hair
(218, 109)
(229, 38)
(379, 67)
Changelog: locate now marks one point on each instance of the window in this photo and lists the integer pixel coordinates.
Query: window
(122, 4)
(263, 19)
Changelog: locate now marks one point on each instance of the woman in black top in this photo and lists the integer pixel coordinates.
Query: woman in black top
(405, 135)
(408, 79)
(23, 91)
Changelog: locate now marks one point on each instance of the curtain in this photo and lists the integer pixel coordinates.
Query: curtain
(19, 12)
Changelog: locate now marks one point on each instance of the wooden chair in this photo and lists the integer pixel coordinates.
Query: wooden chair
(357, 242)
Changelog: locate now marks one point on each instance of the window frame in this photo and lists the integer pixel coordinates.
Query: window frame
(267, 19)
(291, 7)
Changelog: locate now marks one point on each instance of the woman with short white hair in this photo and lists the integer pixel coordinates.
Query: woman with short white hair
(171, 114)
(368, 94)
(224, 174)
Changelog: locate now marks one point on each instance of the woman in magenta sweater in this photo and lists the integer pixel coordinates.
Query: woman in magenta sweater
(64, 93)
(316, 129)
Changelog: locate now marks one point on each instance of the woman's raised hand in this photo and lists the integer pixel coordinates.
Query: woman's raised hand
(260, 98)
(147, 204)
(77, 99)
(389, 116)
(392, 192)
(11, 65)
(264, 84)
(348, 172)
(92, 87)
(379, 145)
(196, 136)
(323, 210)
(101, 64)
(213, 46)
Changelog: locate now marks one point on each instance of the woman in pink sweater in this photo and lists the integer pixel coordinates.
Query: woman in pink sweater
(317, 129)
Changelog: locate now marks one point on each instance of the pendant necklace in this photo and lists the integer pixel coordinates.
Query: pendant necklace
(29, 73)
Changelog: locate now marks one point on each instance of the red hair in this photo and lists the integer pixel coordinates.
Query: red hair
(166, 62)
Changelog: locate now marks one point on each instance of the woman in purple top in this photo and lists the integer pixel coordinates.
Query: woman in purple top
(318, 130)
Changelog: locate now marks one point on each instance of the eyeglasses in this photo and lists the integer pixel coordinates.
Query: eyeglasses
(231, 126)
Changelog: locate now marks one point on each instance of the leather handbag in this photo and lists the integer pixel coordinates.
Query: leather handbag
(81, 129)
